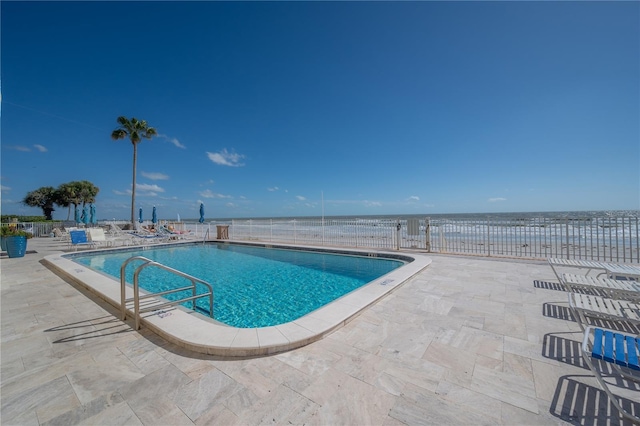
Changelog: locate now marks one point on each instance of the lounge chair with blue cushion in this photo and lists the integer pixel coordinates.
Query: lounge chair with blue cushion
(79, 238)
(617, 350)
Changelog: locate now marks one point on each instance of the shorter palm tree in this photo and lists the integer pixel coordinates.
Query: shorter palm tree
(44, 198)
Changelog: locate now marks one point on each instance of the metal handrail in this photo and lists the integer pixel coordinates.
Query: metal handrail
(136, 289)
(204, 239)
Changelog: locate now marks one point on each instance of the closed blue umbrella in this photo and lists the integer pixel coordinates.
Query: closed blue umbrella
(76, 215)
(85, 214)
(201, 220)
(92, 214)
(140, 215)
(154, 217)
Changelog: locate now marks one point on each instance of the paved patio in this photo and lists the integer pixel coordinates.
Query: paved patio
(466, 341)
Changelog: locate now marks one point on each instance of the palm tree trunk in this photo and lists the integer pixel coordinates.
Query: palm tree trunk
(133, 187)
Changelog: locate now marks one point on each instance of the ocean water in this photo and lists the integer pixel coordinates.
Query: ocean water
(559, 215)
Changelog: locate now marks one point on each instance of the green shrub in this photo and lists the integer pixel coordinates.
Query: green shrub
(7, 218)
(12, 231)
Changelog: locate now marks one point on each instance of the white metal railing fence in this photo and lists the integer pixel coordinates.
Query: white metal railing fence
(606, 238)
(615, 239)
(38, 229)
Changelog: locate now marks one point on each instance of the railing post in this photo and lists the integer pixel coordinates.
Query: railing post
(427, 231)
(566, 222)
(488, 239)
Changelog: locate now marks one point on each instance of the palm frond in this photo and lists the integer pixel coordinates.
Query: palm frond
(118, 134)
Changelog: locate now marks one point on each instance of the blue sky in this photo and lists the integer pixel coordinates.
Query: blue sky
(268, 108)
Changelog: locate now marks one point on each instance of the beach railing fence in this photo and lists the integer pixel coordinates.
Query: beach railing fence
(606, 238)
(615, 239)
(38, 229)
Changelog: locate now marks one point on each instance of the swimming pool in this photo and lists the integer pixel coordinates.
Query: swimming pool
(252, 286)
(198, 333)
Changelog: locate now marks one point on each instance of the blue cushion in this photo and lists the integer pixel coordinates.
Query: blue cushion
(78, 237)
(616, 348)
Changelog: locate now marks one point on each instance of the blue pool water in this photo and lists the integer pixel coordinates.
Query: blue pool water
(252, 286)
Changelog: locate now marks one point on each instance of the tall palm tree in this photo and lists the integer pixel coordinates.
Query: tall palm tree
(135, 130)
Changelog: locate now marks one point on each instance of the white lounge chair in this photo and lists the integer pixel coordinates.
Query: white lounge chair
(115, 230)
(60, 235)
(611, 270)
(98, 236)
(148, 238)
(175, 235)
(584, 306)
(618, 350)
(615, 289)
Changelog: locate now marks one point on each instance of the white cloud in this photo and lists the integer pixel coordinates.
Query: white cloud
(177, 143)
(40, 148)
(231, 205)
(5, 188)
(155, 176)
(497, 199)
(148, 188)
(372, 203)
(21, 148)
(173, 141)
(300, 197)
(275, 188)
(127, 192)
(414, 198)
(226, 158)
(210, 194)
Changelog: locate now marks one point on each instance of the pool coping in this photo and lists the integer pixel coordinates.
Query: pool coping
(190, 330)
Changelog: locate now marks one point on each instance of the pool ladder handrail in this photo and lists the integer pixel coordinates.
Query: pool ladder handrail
(136, 290)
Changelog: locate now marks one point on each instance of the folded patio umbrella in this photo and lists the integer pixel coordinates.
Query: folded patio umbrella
(85, 214)
(92, 214)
